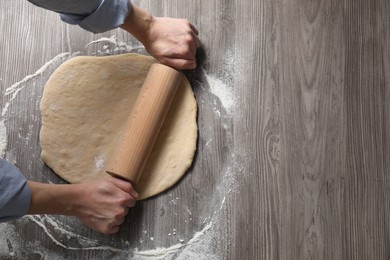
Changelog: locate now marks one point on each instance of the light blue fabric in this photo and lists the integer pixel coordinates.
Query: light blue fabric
(96, 16)
(15, 195)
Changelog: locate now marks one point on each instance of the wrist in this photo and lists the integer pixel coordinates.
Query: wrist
(138, 23)
(57, 199)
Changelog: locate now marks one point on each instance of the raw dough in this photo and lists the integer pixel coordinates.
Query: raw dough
(85, 105)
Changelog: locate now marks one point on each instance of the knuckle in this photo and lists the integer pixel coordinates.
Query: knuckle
(121, 213)
(112, 230)
(125, 199)
(188, 38)
(106, 230)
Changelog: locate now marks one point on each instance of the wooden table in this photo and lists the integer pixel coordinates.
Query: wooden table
(294, 137)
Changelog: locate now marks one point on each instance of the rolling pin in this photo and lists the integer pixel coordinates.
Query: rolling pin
(144, 123)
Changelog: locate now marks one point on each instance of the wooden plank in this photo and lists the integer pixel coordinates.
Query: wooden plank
(366, 199)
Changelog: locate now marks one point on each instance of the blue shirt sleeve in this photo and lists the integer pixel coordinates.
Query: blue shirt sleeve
(15, 194)
(96, 16)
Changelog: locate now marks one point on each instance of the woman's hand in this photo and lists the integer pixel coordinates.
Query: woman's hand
(101, 204)
(171, 41)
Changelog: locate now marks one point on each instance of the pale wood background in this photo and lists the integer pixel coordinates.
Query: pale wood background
(298, 170)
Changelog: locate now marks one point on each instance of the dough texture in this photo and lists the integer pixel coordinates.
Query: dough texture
(85, 106)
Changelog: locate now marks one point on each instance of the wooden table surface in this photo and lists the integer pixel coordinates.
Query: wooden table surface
(294, 133)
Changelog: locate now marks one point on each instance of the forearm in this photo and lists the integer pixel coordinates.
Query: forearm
(56, 199)
(138, 23)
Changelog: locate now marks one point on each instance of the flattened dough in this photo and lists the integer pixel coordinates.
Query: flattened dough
(84, 107)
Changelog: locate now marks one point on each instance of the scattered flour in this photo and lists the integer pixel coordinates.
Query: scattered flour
(202, 246)
(18, 86)
(15, 89)
(3, 139)
(164, 253)
(119, 46)
(40, 221)
(224, 92)
(99, 162)
(8, 248)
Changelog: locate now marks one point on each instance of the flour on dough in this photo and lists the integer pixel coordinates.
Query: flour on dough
(85, 106)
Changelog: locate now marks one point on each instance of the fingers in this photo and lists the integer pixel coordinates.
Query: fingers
(194, 29)
(107, 203)
(127, 198)
(103, 225)
(113, 224)
(184, 58)
(190, 43)
(173, 42)
(108, 229)
(129, 202)
(112, 230)
(182, 54)
(197, 42)
(193, 45)
(134, 194)
(180, 63)
(126, 186)
(195, 36)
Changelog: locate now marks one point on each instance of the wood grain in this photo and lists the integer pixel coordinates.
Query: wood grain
(294, 167)
(366, 197)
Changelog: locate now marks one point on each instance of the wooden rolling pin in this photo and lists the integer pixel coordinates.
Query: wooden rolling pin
(145, 122)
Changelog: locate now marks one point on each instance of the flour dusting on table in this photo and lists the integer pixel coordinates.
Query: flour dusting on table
(8, 245)
(18, 86)
(203, 242)
(3, 139)
(165, 253)
(10, 241)
(224, 92)
(118, 46)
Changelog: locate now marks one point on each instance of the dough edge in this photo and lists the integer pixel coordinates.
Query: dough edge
(150, 190)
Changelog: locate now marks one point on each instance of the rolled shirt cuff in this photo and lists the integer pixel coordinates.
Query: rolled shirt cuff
(15, 194)
(18, 206)
(110, 14)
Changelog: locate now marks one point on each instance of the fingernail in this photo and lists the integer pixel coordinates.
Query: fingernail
(135, 194)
